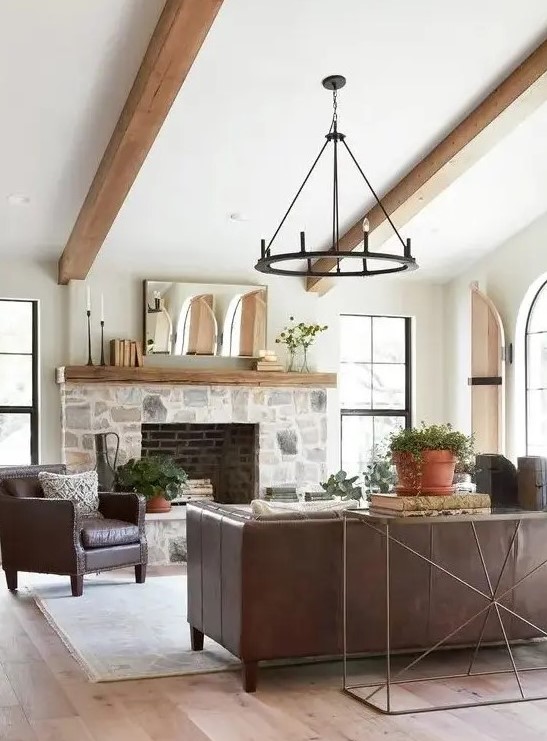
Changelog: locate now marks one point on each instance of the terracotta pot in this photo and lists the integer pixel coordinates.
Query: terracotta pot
(432, 475)
(158, 504)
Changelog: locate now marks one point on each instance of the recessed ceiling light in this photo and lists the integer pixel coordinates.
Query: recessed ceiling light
(237, 216)
(18, 199)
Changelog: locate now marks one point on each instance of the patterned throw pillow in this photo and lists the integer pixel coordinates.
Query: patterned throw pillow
(80, 488)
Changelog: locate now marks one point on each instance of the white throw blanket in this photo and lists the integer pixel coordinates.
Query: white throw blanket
(260, 507)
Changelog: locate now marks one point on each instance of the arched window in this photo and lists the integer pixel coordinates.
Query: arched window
(536, 375)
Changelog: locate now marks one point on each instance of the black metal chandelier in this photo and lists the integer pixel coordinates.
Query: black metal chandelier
(396, 263)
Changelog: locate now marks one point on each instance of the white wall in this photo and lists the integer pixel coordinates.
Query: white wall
(508, 276)
(63, 337)
(286, 296)
(27, 279)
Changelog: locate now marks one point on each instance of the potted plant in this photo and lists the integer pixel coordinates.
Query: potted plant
(380, 473)
(465, 469)
(338, 485)
(299, 336)
(156, 477)
(425, 458)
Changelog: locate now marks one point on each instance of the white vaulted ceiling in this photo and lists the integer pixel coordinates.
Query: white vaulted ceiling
(66, 68)
(251, 117)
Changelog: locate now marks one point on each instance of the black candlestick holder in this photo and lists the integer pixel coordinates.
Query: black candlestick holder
(102, 343)
(89, 358)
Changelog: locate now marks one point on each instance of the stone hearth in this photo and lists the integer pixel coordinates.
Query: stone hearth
(292, 422)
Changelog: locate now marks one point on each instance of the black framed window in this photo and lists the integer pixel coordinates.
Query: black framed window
(18, 382)
(375, 384)
(536, 375)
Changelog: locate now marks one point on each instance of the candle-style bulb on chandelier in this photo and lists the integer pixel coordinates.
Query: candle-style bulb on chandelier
(368, 262)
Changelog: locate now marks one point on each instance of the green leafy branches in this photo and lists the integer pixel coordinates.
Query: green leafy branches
(299, 335)
(340, 486)
(380, 472)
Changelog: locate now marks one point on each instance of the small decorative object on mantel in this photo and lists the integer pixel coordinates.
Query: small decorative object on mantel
(88, 314)
(103, 362)
(269, 361)
(126, 353)
(425, 458)
(298, 337)
(156, 477)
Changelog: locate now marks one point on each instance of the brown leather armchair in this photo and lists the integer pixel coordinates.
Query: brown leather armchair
(46, 536)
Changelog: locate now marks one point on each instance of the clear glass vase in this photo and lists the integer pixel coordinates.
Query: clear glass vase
(291, 360)
(304, 368)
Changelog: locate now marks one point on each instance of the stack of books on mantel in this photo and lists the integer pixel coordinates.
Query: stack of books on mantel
(269, 362)
(459, 503)
(195, 489)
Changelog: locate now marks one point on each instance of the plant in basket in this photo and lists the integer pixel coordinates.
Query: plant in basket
(425, 458)
(156, 477)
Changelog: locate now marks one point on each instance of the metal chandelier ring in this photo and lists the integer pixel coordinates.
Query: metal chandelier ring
(266, 263)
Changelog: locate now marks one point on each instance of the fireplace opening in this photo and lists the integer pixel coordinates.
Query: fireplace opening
(227, 454)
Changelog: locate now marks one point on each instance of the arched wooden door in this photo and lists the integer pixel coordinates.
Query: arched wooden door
(487, 374)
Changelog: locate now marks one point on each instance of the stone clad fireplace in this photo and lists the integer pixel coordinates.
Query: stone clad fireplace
(243, 437)
(291, 422)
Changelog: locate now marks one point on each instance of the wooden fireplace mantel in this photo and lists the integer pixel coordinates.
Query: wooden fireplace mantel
(182, 376)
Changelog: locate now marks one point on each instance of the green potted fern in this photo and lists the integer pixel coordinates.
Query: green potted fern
(156, 477)
(425, 458)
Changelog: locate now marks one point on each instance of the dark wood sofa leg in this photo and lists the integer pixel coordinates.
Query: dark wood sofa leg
(77, 585)
(196, 639)
(140, 573)
(250, 675)
(11, 579)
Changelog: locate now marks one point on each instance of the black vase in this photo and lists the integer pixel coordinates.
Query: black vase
(106, 471)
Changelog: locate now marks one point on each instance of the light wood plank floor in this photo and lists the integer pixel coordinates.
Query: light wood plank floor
(45, 696)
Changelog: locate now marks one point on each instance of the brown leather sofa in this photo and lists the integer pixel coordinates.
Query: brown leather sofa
(45, 535)
(271, 587)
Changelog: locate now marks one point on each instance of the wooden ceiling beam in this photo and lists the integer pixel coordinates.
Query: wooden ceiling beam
(175, 43)
(521, 93)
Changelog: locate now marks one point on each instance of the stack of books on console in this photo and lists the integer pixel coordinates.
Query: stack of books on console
(195, 489)
(285, 493)
(269, 362)
(458, 503)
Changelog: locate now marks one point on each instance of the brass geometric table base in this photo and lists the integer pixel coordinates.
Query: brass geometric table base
(381, 697)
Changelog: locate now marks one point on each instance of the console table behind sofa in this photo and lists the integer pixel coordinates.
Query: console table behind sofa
(271, 587)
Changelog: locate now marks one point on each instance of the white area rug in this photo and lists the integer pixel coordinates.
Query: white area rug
(121, 630)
